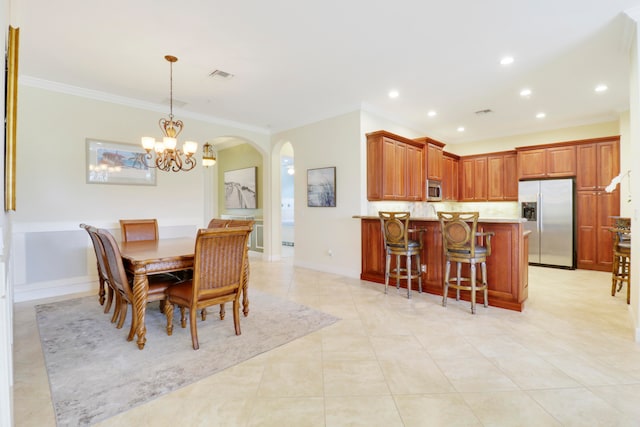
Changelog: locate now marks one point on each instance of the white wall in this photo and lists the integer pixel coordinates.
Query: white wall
(332, 142)
(52, 254)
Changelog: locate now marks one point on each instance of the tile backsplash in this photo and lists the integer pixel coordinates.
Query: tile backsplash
(506, 210)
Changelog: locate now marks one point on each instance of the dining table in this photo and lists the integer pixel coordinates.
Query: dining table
(143, 258)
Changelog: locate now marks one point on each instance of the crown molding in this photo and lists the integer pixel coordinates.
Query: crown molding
(131, 102)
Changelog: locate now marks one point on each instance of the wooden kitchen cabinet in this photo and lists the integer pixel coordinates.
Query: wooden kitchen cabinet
(450, 177)
(395, 167)
(507, 267)
(598, 162)
(434, 164)
(473, 181)
(502, 178)
(549, 162)
(595, 240)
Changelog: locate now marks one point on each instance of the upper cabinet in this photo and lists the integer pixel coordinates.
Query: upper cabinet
(450, 177)
(395, 167)
(502, 177)
(473, 181)
(549, 162)
(434, 159)
(598, 163)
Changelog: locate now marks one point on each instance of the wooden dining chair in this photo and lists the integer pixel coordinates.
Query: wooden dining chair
(103, 278)
(219, 264)
(226, 223)
(158, 284)
(139, 229)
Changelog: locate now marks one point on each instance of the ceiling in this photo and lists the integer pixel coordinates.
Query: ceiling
(295, 62)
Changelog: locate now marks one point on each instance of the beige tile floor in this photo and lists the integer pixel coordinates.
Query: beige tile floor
(568, 360)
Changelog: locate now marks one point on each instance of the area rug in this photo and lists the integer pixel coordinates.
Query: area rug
(95, 373)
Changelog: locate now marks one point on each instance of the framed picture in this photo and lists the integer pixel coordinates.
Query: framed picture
(321, 187)
(117, 163)
(240, 189)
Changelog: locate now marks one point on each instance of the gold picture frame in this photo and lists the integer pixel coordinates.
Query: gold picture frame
(11, 113)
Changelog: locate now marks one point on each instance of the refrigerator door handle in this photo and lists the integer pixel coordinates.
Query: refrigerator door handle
(540, 212)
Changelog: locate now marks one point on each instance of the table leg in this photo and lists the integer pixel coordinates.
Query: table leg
(245, 297)
(140, 292)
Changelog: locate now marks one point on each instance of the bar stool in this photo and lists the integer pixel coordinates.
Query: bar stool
(395, 230)
(459, 237)
(621, 271)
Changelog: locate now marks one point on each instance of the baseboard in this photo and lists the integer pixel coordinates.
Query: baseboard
(54, 288)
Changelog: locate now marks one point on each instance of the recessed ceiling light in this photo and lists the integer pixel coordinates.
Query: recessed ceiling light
(432, 113)
(541, 115)
(394, 94)
(507, 60)
(525, 93)
(460, 129)
(601, 88)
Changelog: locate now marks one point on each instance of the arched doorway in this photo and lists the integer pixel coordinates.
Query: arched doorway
(287, 191)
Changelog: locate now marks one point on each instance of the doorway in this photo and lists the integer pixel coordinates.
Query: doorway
(287, 191)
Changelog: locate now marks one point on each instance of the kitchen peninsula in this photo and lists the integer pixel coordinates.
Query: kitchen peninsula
(507, 267)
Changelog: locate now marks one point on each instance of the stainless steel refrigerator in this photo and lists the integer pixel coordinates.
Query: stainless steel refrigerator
(549, 208)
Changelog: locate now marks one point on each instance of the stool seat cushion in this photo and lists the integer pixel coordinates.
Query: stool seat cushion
(624, 245)
(480, 250)
(410, 244)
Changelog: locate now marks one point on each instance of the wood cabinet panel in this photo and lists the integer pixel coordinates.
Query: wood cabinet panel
(595, 241)
(415, 178)
(587, 176)
(395, 168)
(608, 163)
(553, 162)
(450, 178)
(561, 161)
(495, 181)
(532, 164)
(474, 178)
(511, 177)
(434, 162)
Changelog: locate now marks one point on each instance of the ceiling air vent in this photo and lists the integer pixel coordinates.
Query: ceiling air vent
(485, 111)
(219, 74)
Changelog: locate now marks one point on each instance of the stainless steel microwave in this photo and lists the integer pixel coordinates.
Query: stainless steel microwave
(434, 191)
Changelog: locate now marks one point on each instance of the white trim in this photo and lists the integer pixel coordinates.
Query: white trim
(55, 288)
(130, 102)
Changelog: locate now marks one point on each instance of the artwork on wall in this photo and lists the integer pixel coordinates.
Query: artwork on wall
(240, 189)
(11, 113)
(321, 187)
(117, 163)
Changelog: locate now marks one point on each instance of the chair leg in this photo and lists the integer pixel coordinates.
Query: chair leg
(484, 284)
(183, 318)
(615, 270)
(398, 272)
(222, 311)
(107, 306)
(194, 328)
(409, 273)
(447, 271)
(123, 313)
(168, 312)
(203, 314)
(458, 279)
(236, 316)
(134, 326)
(386, 272)
(101, 289)
(473, 287)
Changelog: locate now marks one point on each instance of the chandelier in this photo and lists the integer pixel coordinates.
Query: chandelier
(167, 156)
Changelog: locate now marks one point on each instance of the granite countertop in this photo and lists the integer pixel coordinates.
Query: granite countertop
(485, 220)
